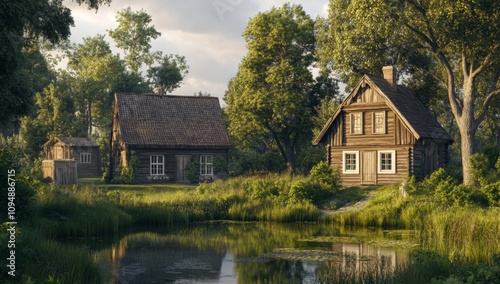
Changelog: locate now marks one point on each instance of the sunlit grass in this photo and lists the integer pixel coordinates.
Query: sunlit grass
(466, 234)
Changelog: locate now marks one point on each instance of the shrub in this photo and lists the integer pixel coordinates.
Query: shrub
(439, 178)
(127, 174)
(10, 174)
(326, 177)
(303, 190)
(492, 192)
(481, 170)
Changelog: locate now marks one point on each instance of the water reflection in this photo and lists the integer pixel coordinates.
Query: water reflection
(248, 253)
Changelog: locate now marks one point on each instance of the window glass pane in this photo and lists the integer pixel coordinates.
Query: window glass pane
(157, 165)
(350, 162)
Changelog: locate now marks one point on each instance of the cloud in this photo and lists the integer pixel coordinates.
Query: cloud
(207, 32)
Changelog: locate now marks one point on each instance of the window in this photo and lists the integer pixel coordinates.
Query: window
(379, 122)
(85, 158)
(357, 123)
(206, 165)
(350, 162)
(157, 165)
(387, 162)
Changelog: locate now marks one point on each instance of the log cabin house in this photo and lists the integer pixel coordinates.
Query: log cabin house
(381, 134)
(83, 150)
(166, 132)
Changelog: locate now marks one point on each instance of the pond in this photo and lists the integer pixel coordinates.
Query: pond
(251, 253)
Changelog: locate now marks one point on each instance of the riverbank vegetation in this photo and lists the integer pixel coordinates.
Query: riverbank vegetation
(460, 224)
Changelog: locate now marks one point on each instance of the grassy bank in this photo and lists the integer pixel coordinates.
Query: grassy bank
(269, 198)
(463, 233)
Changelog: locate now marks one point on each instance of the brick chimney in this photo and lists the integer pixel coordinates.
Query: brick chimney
(390, 75)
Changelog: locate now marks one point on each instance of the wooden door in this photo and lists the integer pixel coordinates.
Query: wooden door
(369, 167)
(182, 162)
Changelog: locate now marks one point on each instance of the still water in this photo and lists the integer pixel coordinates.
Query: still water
(249, 253)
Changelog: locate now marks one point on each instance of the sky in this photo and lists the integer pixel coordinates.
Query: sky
(207, 32)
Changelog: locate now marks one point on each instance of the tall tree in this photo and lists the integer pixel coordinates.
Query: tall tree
(460, 38)
(133, 35)
(272, 93)
(95, 72)
(23, 23)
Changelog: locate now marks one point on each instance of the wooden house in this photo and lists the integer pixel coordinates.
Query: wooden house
(83, 150)
(381, 134)
(166, 132)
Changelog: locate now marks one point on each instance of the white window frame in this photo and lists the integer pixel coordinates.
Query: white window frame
(156, 167)
(393, 162)
(207, 165)
(344, 160)
(85, 158)
(353, 125)
(376, 130)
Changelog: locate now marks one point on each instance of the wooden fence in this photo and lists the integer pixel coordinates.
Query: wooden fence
(61, 172)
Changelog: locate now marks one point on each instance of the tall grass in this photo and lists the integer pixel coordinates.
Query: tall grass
(76, 211)
(265, 198)
(39, 258)
(463, 233)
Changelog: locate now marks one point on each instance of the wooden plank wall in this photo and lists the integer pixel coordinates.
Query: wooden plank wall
(402, 165)
(144, 154)
(62, 172)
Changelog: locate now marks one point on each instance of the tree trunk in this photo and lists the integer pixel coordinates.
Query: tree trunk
(89, 118)
(467, 150)
(290, 159)
(467, 126)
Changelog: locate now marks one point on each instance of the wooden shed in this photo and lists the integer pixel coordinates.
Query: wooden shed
(62, 172)
(381, 134)
(166, 132)
(83, 150)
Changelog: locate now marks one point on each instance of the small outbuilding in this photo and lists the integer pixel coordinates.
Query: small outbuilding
(82, 150)
(167, 133)
(382, 134)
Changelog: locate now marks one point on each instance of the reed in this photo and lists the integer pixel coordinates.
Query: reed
(465, 234)
(44, 258)
(86, 212)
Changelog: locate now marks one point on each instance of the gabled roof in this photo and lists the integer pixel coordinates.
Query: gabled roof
(72, 141)
(171, 121)
(416, 117)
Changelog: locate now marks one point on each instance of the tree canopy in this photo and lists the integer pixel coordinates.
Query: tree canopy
(23, 24)
(273, 93)
(133, 35)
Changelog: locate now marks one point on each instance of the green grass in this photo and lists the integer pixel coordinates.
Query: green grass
(346, 197)
(40, 258)
(466, 234)
(463, 233)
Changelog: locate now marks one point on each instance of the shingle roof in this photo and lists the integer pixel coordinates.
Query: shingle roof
(171, 121)
(403, 102)
(419, 118)
(73, 141)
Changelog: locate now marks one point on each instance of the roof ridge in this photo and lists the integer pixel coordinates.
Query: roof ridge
(168, 95)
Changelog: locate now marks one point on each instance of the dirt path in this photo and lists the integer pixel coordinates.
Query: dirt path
(350, 207)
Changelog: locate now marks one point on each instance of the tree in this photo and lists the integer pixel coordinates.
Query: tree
(54, 115)
(133, 35)
(460, 39)
(271, 94)
(170, 72)
(95, 72)
(23, 24)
